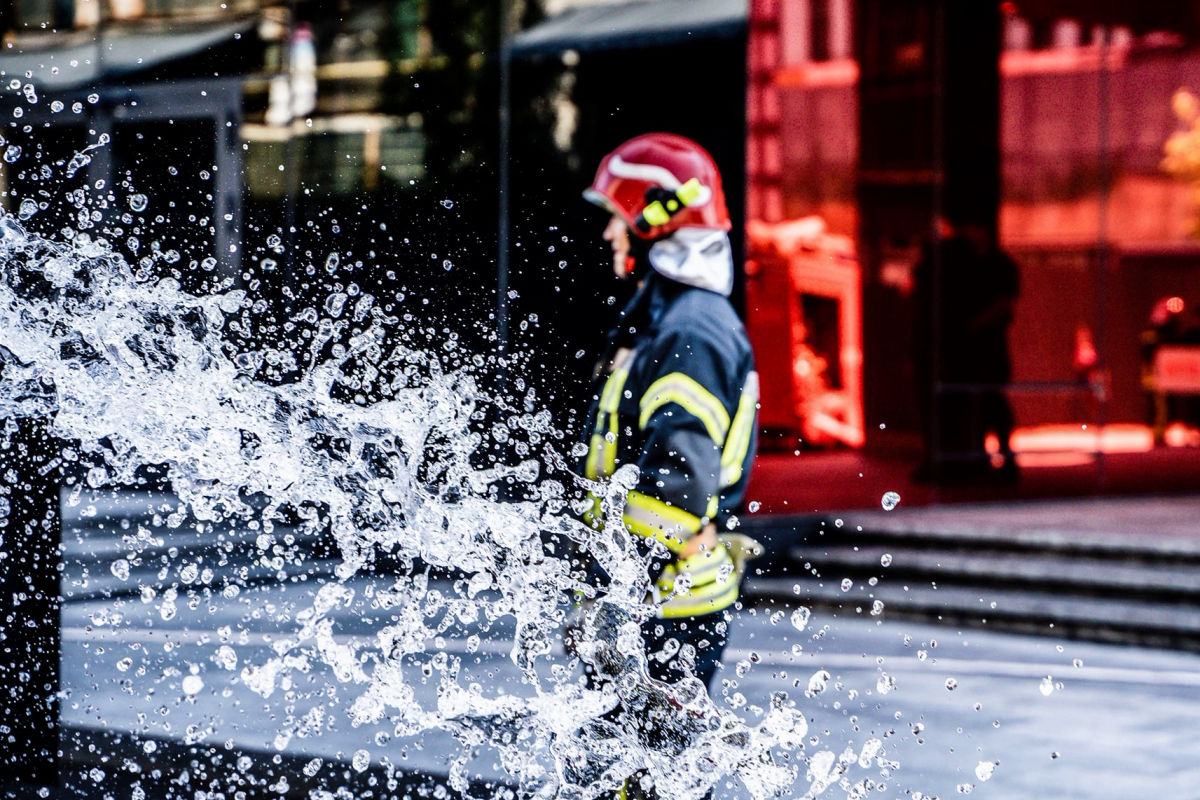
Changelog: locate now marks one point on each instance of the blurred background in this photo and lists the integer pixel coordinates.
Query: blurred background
(897, 171)
(444, 145)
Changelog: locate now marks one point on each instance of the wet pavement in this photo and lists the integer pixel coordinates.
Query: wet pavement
(1051, 717)
(154, 699)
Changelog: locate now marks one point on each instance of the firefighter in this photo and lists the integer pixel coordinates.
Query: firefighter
(677, 393)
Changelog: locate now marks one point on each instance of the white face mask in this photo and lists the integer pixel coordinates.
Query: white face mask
(700, 257)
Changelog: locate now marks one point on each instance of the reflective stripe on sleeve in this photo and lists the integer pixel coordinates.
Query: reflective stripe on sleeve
(703, 568)
(694, 398)
(715, 596)
(602, 447)
(733, 457)
(714, 581)
(653, 519)
(596, 458)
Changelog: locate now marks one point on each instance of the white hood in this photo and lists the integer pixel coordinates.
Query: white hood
(700, 257)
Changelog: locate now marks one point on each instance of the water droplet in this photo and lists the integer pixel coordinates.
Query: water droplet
(331, 263)
(984, 770)
(12, 153)
(800, 618)
(447, 264)
(754, 506)
(120, 569)
(27, 209)
(951, 684)
(847, 584)
(335, 303)
(1046, 687)
(138, 202)
(30, 93)
(876, 608)
(361, 760)
(57, 106)
(890, 500)
(192, 684)
(77, 162)
(885, 684)
(5, 507)
(447, 204)
(93, 98)
(226, 657)
(817, 683)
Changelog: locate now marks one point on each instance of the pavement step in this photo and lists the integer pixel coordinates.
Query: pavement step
(1118, 619)
(78, 584)
(92, 559)
(1033, 541)
(1126, 572)
(1050, 572)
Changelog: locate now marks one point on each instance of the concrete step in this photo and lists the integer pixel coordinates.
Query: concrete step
(1106, 619)
(1125, 571)
(1042, 570)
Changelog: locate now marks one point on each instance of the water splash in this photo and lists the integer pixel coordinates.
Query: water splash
(133, 371)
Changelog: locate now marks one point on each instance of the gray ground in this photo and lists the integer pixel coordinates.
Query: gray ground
(1059, 719)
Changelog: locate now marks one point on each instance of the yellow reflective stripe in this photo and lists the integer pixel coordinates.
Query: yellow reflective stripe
(666, 581)
(711, 598)
(695, 399)
(711, 510)
(709, 591)
(611, 396)
(733, 457)
(594, 516)
(704, 568)
(595, 457)
(651, 518)
(602, 449)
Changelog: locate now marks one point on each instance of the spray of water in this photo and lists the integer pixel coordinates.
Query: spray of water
(133, 371)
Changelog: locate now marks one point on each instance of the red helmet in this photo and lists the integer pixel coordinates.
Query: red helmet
(659, 183)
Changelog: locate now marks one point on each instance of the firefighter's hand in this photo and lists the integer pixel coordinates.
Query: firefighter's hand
(705, 538)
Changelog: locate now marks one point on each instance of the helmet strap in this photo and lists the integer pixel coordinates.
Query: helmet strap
(637, 263)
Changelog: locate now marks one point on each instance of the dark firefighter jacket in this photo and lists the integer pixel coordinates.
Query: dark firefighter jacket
(680, 401)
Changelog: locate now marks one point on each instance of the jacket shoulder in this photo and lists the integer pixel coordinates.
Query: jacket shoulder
(705, 315)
